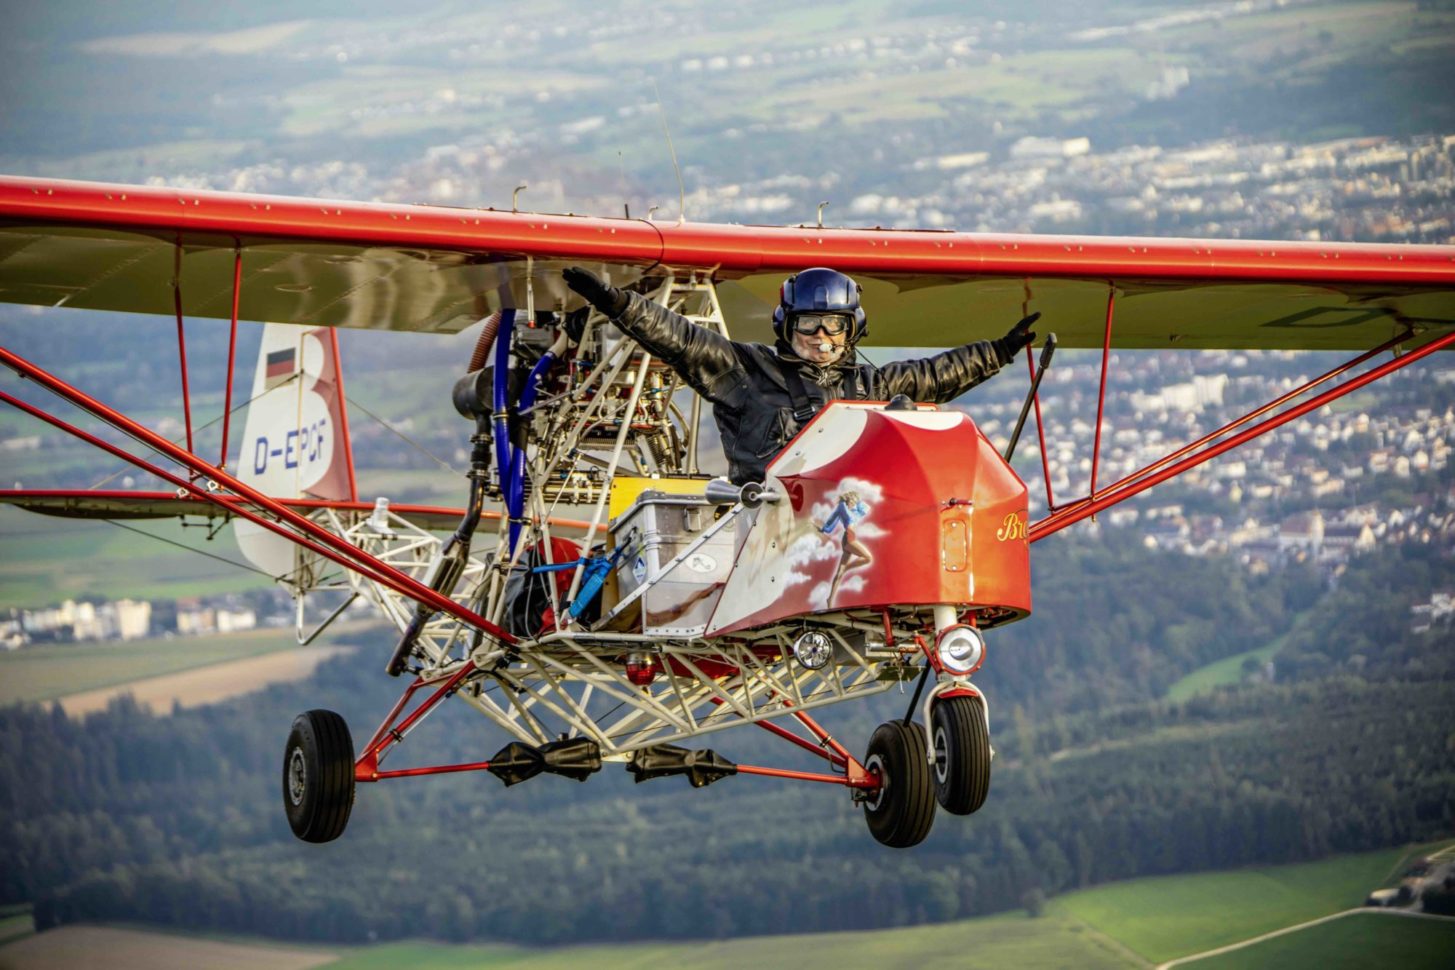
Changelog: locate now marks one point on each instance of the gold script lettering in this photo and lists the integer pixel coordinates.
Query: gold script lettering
(1014, 527)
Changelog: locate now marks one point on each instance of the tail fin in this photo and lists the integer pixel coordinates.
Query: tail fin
(295, 443)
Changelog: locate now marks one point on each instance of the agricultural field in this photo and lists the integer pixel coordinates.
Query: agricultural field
(990, 942)
(126, 948)
(1174, 916)
(996, 941)
(1357, 940)
(15, 922)
(1121, 925)
(212, 684)
(45, 560)
(1229, 670)
(49, 672)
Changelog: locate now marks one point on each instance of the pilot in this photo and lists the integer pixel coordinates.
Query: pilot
(762, 395)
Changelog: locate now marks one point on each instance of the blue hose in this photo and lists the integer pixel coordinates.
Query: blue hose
(501, 397)
(515, 496)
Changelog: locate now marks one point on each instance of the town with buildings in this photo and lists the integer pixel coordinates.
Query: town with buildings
(85, 620)
(1332, 484)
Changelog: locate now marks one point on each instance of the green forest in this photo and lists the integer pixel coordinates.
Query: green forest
(177, 820)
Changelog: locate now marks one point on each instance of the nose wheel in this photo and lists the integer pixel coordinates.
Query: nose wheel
(961, 736)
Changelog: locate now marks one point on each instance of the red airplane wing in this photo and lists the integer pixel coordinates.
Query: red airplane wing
(410, 267)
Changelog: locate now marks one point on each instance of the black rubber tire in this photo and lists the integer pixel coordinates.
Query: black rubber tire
(901, 813)
(962, 753)
(318, 776)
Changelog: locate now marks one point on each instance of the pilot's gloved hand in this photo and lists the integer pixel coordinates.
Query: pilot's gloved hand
(599, 293)
(575, 324)
(1019, 336)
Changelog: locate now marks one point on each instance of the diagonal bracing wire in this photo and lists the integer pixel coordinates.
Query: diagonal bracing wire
(183, 545)
(177, 441)
(408, 440)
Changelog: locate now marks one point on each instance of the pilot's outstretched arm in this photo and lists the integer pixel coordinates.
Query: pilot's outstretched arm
(704, 358)
(947, 375)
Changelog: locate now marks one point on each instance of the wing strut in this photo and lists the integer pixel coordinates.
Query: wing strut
(1146, 478)
(182, 340)
(1040, 428)
(232, 355)
(343, 414)
(1034, 394)
(1111, 302)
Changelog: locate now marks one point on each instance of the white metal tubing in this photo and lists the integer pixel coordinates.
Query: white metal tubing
(621, 436)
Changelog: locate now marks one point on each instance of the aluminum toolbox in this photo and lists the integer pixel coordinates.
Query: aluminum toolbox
(655, 529)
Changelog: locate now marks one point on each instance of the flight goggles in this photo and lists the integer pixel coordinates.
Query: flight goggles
(832, 324)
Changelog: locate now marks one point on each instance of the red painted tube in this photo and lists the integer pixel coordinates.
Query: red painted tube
(432, 770)
(392, 736)
(1111, 300)
(844, 780)
(1041, 432)
(1056, 522)
(823, 735)
(806, 745)
(182, 347)
(789, 736)
(232, 354)
(343, 416)
(393, 713)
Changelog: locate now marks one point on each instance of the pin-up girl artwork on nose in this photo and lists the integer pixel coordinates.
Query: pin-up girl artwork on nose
(849, 512)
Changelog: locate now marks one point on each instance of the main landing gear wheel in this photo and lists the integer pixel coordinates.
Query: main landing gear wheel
(962, 753)
(901, 812)
(318, 776)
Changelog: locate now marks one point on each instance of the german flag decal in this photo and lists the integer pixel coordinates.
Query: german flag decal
(280, 366)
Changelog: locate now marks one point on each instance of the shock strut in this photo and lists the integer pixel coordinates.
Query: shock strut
(454, 555)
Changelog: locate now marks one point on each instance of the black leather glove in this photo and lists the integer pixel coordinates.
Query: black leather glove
(596, 291)
(576, 324)
(1019, 336)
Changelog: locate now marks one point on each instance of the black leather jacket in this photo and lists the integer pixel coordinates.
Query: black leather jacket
(748, 383)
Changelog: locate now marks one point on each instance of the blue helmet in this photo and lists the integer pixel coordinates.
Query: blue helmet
(819, 290)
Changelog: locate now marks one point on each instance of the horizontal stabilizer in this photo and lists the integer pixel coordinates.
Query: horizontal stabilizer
(82, 503)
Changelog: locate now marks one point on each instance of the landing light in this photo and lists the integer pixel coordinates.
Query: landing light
(961, 649)
(813, 650)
